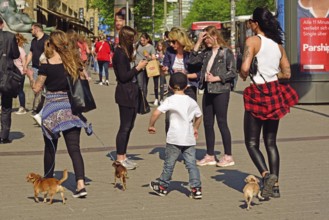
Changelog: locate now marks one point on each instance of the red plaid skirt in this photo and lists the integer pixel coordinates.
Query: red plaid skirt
(273, 106)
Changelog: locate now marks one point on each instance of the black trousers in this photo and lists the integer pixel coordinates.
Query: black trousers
(72, 141)
(252, 129)
(216, 105)
(6, 105)
(127, 121)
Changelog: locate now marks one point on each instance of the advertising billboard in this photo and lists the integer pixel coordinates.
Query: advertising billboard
(313, 36)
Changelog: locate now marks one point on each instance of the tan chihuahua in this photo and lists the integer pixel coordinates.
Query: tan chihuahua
(47, 186)
(120, 173)
(251, 189)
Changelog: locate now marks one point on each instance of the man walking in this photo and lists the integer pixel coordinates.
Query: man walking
(37, 48)
(8, 52)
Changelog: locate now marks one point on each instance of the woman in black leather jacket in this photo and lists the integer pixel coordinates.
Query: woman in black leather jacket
(218, 71)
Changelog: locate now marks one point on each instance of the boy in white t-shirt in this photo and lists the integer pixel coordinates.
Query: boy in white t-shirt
(185, 118)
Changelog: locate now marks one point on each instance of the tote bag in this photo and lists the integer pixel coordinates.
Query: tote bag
(153, 68)
(80, 96)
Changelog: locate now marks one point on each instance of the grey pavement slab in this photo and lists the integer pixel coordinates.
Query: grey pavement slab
(303, 144)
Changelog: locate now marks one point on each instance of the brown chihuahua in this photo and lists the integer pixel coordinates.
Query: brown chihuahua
(47, 185)
(120, 173)
(251, 189)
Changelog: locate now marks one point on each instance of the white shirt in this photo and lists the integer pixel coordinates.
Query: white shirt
(268, 57)
(182, 110)
(179, 65)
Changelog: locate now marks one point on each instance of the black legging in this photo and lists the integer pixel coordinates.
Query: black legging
(72, 141)
(156, 86)
(216, 105)
(252, 129)
(127, 121)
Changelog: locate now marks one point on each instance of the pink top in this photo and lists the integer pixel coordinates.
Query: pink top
(19, 61)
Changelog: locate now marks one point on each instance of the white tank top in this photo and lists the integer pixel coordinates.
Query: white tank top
(268, 58)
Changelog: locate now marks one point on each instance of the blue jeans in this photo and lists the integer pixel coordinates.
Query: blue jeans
(172, 153)
(21, 93)
(103, 65)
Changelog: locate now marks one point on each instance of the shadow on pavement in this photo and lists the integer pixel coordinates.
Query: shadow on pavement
(182, 187)
(70, 183)
(232, 178)
(16, 135)
(113, 155)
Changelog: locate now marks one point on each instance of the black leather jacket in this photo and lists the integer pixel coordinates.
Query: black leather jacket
(223, 66)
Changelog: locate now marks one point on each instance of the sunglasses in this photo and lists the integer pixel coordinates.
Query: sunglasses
(173, 41)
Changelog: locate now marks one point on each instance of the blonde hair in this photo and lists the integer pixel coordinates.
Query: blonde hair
(181, 37)
(21, 40)
(59, 42)
(162, 43)
(212, 31)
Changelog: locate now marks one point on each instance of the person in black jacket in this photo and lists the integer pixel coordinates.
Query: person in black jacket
(8, 52)
(126, 93)
(217, 72)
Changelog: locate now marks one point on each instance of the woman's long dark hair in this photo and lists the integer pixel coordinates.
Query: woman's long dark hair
(268, 24)
(126, 41)
(147, 37)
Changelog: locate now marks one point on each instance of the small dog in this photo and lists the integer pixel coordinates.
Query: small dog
(251, 189)
(47, 186)
(120, 173)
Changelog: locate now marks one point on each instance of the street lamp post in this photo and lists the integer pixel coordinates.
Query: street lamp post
(165, 13)
(153, 18)
(233, 26)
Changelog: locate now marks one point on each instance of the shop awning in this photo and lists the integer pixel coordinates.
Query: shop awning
(74, 21)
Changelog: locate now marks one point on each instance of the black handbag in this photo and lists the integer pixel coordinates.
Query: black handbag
(143, 105)
(10, 75)
(80, 96)
(10, 81)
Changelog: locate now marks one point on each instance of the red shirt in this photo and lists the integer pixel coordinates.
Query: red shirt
(103, 52)
(273, 103)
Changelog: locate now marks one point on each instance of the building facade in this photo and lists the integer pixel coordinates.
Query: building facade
(64, 14)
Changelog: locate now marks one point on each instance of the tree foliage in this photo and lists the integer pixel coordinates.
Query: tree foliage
(143, 15)
(220, 10)
(105, 10)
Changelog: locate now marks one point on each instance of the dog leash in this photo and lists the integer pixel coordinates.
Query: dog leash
(89, 132)
(109, 153)
(52, 166)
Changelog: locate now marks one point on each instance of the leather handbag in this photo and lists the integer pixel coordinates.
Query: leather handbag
(80, 96)
(10, 75)
(143, 105)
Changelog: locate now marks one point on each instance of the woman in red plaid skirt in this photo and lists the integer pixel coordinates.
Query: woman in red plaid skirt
(265, 101)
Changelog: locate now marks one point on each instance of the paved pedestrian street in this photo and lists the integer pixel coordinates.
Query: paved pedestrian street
(303, 144)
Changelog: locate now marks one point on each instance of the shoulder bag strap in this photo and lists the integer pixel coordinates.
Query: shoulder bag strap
(101, 46)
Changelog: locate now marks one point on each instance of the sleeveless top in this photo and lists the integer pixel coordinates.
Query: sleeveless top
(268, 58)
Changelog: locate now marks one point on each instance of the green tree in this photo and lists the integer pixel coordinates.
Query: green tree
(220, 10)
(105, 9)
(143, 15)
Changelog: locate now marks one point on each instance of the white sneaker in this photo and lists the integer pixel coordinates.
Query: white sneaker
(101, 83)
(37, 119)
(156, 102)
(107, 83)
(21, 111)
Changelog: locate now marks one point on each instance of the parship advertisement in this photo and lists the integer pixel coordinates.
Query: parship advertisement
(313, 28)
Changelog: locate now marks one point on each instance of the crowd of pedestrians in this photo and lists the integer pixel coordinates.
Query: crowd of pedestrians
(208, 64)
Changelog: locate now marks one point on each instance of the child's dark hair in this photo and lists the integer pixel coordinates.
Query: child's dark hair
(178, 81)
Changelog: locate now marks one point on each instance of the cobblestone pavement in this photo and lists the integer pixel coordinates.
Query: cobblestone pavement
(302, 139)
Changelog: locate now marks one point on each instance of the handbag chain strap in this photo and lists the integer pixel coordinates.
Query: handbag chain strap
(257, 86)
